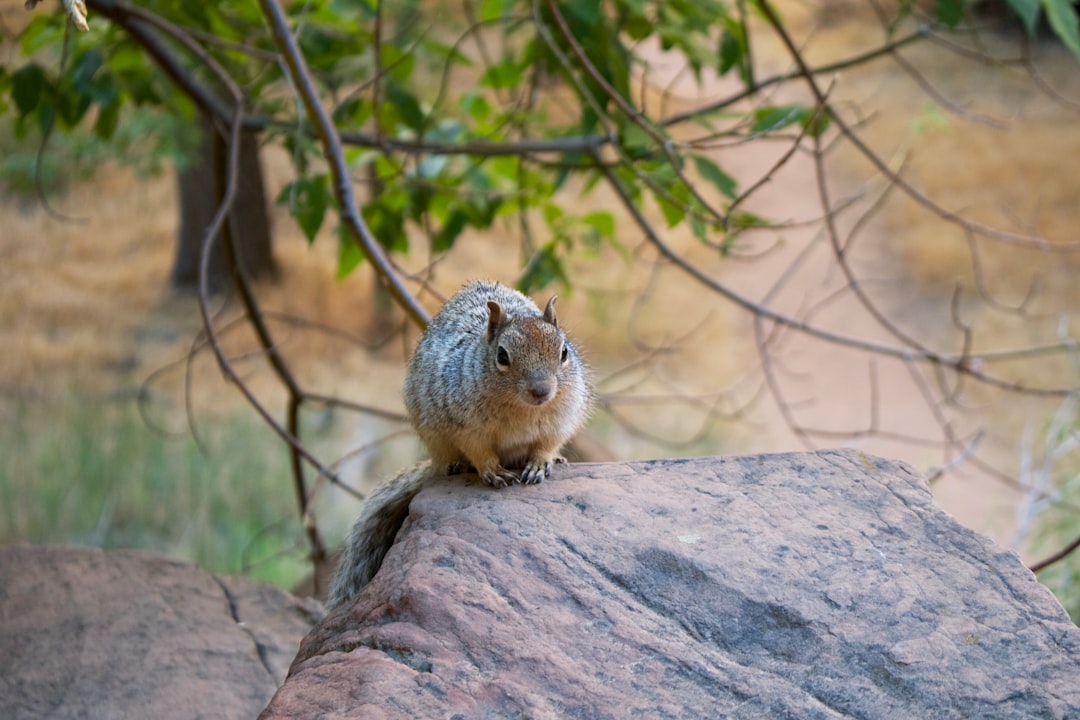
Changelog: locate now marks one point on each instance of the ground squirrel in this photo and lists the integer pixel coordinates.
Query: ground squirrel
(495, 385)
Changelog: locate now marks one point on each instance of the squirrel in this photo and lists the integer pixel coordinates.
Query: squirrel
(495, 385)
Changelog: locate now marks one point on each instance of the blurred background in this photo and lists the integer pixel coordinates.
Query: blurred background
(119, 429)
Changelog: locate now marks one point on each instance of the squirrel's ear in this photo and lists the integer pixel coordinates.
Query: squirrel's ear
(549, 312)
(496, 319)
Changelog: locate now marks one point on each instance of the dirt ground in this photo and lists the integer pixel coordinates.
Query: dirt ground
(84, 305)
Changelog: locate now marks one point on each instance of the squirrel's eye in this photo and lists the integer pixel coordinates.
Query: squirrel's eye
(502, 357)
(565, 353)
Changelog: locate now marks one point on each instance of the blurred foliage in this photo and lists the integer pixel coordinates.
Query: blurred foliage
(563, 71)
(145, 140)
(1063, 577)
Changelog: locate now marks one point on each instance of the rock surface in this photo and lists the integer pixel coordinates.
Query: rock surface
(822, 585)
(86, 633)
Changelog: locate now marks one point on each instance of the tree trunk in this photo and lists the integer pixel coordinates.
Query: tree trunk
(249, 222)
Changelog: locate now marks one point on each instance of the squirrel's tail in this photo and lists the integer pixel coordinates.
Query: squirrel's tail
(381, 516)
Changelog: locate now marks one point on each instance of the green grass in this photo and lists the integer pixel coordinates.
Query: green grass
(91, 472)
(1063, 579)
(1060, 525)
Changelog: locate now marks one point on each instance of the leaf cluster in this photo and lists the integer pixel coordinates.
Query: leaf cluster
(455, 120)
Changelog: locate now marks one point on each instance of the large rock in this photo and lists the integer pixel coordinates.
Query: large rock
(91, 634)
(822, 585)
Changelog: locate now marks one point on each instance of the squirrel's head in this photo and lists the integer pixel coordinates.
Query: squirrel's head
(529, 353)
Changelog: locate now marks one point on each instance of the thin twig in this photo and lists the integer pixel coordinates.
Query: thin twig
(1056, 557)
(967, 366)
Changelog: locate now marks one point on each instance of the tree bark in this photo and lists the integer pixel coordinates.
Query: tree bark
(249, 221)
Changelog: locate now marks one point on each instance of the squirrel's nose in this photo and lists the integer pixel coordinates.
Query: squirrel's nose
(540, 392)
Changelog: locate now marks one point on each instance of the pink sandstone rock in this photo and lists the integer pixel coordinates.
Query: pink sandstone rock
(91, 634)
(809, 585)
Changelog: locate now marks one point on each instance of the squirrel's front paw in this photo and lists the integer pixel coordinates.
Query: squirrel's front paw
(500, 477)
(536, 470)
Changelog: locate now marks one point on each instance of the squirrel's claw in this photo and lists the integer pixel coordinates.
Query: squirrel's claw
(500, 477)
(535, 471)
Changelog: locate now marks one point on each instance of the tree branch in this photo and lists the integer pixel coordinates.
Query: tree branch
(965, 365)
(331, 142)
(1056, 557)
(1011, 238)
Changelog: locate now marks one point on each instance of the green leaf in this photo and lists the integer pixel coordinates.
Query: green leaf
(476, 106)
(397, 63)
(127, 58)
(505, 74)
(449, 53)
(354, 112)
(406, 105)
(41, 32)
(637, 26)
(602, 221)
(387, 224)
(950, 12)
(103, 90)
(711, 172)
(349, 253)
(71, 107)
(107, 120)
(744, 220)
(492, 10)
(701, 230)
(673, 213)
(308, 200)
(567, 161)
(731, 52)
(816, 122)
(771, 119)
(635, 140)
(587, 12)
(82, 76)
(813, 120)
(543, 268)
(444, 239)
(29, 84)
(612, 60)
(1061, 14)
(503, 172)
(552, 212)
(1028, 11)
(45, 117)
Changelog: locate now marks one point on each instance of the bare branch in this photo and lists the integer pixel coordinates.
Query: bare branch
(755, 88)
(968, 366)
(1056, 557)
(1010, 238)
